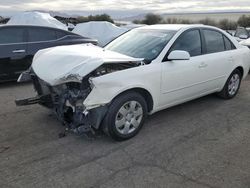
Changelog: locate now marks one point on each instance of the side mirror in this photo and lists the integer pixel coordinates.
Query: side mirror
(243, 36)
(179, 55)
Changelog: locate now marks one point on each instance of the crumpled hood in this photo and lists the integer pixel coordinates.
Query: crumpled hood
(61, 64)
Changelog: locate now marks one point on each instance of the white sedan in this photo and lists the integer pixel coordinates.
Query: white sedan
(146, 70)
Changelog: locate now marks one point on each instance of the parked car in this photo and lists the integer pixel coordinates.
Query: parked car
(18, 44)
(242, 33)
(246, 43)
(146, 70)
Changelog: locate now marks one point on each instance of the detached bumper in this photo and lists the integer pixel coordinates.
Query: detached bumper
(44, 97)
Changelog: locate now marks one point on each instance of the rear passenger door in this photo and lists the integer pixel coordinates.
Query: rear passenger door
(218, 57)
(40, 38)
(13, 51)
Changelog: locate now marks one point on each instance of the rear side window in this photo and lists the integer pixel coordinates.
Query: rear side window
(11, 35)
(40, 34)
(214, 41)
(60, 34)
(190, 41)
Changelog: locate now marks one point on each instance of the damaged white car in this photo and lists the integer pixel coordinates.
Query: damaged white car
(141, 72)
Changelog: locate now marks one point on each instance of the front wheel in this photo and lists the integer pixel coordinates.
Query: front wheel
(125, 116)
(232, 85)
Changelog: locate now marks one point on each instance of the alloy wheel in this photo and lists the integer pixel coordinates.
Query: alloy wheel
(129, 117)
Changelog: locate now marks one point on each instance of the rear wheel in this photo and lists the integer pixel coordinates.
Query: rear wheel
(125, 116)
(232, 85)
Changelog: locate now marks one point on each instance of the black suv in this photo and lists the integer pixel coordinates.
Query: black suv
(18, 44)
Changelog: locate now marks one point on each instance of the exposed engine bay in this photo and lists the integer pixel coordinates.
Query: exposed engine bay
(67, 99)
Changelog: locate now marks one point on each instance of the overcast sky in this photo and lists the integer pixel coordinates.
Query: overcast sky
(131, 6)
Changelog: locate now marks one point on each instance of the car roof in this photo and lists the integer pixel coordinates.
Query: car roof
(177, 27)
(34, 26)
(37, 26)
(171, 26)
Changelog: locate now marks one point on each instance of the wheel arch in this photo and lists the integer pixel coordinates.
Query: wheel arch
(241, 69)
(144, 93)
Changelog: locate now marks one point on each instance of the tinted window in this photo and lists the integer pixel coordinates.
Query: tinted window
(11, 35)
(189, 41)
(214, 41)
(60, 34)
(228, 44)
(40, 34)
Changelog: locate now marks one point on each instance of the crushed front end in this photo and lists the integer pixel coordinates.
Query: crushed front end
(67, 99)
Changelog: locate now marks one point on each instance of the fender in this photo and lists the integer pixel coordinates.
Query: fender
(124, 80)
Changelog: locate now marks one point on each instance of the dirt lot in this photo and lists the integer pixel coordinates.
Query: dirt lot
(203, 143)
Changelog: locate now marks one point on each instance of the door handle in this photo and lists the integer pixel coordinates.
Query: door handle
(19, 51)
(203, 65)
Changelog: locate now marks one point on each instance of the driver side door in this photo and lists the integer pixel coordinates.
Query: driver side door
(12, 52)
(183, 80)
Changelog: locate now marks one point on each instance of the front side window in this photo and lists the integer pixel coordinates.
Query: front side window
(214, 41)
(40, 35)
(189, 41)
(142, 43)
(11, 35)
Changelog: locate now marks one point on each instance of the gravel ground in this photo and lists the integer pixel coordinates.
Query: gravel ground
(204, 143)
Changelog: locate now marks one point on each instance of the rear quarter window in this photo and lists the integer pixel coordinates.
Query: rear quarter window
(61, 34)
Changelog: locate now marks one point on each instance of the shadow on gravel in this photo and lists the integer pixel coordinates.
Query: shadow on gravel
(209, 100)
(10, 84)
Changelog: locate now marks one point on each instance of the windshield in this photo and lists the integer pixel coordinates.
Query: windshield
(141, 43)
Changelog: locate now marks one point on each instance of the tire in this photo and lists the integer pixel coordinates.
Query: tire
(232, 85)
(125, 116)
